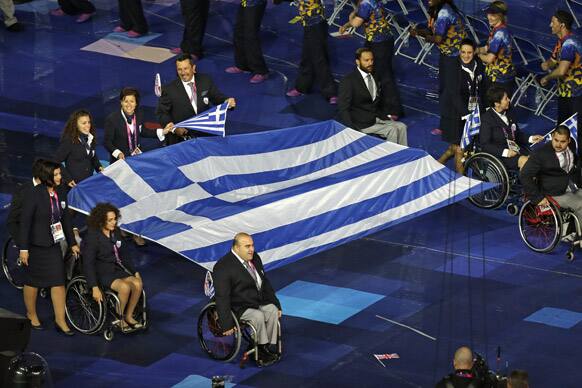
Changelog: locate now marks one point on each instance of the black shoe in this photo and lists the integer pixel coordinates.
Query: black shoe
(37, 327)
(265, 357)
(61, 331)
(16, 27)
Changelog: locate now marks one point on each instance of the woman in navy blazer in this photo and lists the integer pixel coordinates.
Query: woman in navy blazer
(44, 211)
(77, 148)
(106, 262)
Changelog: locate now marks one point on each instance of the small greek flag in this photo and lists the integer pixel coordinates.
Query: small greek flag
(572, 124)
(211, 121)
(472, 127)
(158, 85)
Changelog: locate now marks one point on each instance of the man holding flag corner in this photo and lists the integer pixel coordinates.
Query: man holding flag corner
(187, 96)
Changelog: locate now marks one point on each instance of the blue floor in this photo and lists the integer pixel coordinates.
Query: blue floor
(456, 276)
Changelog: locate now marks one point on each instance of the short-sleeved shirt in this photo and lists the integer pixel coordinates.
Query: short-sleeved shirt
(376, 26)
(569, 49)
(311, 12)
(251, 3)
(449, 26)
(499, 43)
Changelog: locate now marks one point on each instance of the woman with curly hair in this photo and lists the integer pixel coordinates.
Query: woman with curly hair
(106, 263)
(77, 148)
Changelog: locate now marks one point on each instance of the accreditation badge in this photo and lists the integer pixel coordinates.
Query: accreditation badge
(57, 232)
(512, 145)
(472, 104)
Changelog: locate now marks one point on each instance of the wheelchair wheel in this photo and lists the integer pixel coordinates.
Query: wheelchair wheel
(488, 168)
(216, 345)
(83, 313)
(540, 229)
(13, 271)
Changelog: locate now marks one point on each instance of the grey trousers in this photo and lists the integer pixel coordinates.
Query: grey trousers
(265, 321)
(571, 201)
(7, 8)
(393, 131)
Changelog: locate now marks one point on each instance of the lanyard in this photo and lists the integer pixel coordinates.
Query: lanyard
(115, 249)
(131, 137)
(56, 207)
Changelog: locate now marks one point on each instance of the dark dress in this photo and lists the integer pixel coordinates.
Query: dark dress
(462, 87)
(46, 267)
(99, 261)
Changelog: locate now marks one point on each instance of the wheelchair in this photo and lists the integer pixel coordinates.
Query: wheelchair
(488, 168)
(226, 347)
(11, 265)
(541, 229)
(90, 317)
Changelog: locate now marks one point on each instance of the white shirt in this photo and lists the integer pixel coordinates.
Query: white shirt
(252, 268)
(189, 92)
(566, 159)
(365, 76)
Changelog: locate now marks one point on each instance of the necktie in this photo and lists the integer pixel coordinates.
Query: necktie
(251, 270)
(193, 90)
(370, 83)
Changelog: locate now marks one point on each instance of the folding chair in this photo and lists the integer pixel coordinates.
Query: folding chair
(571, 5)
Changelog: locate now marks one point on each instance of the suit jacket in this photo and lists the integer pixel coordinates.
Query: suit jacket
(13, 218)
(99, 257)
(493, 131)
(542, 174)
(79, 164)
(174, 104)
(35, 217)
(236, 290)
(116, 133)
(463, 88)
(355, 106)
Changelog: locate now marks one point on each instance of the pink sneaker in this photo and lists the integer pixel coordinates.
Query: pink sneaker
(176, 50)
(133, 34)
(84, 17)
(258, 78)
(293, 93)
(233, 70)
(333, 100)
(57, 12)
(119, 29)
(436, 132)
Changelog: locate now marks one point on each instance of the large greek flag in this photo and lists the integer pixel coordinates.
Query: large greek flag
(298, 191)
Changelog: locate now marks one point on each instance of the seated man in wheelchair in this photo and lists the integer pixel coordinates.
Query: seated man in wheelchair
(107, 264)
(242, 287)
(499, 134)
(554, 170)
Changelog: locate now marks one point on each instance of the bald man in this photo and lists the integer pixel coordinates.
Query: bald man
(242, 287)
(463, 377)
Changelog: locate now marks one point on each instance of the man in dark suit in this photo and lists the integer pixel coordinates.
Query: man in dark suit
(359, 99)
(554, 170)
(188, 95)
(242, 287)
(499, 134)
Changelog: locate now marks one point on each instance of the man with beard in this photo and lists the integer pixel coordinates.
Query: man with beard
(359, 100)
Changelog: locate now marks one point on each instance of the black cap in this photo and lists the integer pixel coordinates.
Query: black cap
(494, 9)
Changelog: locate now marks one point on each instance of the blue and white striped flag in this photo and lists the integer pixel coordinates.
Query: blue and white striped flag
(472, 127)
(211, 121)
(298, 191)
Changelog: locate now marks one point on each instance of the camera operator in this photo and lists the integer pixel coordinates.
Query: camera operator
(464, 376)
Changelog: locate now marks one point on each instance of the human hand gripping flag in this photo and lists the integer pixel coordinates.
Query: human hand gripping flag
(211, 121)
(572, 124)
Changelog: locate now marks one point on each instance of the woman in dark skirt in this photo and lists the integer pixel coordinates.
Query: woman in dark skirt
(106, 263)
(44, 223)
(467, 90)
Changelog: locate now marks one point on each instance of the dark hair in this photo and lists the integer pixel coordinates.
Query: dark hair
(468, 42)
(184, 57)
(71, 131)
(129, 91)
(433, 11)
(98, 216)
(518, 379)
(562, 130)
(46, 172)
(564, 17)
(37, 167)
(362, 50)
(495, 94)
